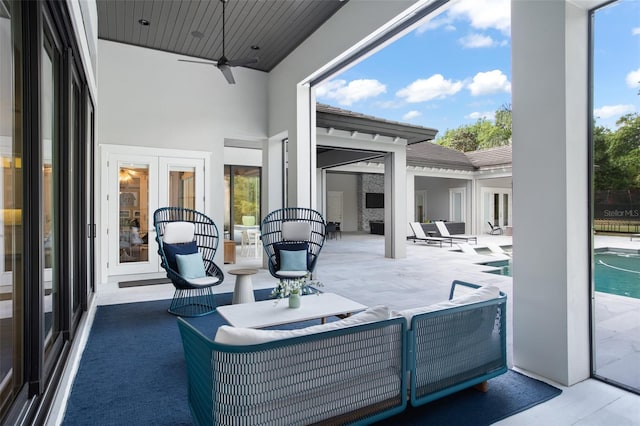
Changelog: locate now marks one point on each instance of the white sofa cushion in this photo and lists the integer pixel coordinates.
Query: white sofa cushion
(480, 294)
(248, 336)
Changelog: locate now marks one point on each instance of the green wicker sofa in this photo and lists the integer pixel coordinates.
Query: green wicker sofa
(353, 371)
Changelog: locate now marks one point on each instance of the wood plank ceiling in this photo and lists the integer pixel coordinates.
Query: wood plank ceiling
(194, 27)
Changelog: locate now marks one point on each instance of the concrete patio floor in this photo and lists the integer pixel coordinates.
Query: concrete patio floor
(355, 267)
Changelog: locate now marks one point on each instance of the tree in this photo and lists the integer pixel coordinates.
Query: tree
(616, 155)
(482, 134)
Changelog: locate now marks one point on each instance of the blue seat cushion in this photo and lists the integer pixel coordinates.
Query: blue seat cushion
(277, 247)
(171, 250)
(190, 265)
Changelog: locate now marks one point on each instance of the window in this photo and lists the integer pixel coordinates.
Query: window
(242, 200)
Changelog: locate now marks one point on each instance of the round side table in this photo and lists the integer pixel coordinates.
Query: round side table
(243, 291)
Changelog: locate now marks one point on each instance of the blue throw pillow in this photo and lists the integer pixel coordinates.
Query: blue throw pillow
(171, 250)
(190, 265)
(293, 260)
(277, 247)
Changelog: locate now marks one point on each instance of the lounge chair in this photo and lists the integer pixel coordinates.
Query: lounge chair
(496, 249)
(444, 232)
(466, 248)
(495, 230)
(419, 235)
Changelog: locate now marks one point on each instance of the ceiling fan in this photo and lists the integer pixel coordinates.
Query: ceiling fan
(223, 63)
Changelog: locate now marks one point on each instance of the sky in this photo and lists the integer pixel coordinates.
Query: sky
(456, 68)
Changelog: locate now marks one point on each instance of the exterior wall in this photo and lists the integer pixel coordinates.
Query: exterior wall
(438, 195)
(348, 184)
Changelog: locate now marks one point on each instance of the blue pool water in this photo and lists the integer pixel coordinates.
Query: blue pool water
(503, 267)
(615, 272)
(618, 273)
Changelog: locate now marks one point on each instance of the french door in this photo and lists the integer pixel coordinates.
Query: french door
(496, 207)
(137, 186)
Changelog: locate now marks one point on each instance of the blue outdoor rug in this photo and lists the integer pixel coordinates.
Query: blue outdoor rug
(132, 372)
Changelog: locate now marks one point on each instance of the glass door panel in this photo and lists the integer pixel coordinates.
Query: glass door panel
(11, 206)
(184, 180)
(133, 199)
(49, 117)
(615, 189)
(133, 196)
(421, 206)
(457, 204)
(245, 199)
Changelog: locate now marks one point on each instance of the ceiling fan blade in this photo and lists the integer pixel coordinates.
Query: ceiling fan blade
(197, 62)
(242, 62)
(226, 71)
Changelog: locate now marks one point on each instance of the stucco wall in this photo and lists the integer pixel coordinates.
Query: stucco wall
(348, 185)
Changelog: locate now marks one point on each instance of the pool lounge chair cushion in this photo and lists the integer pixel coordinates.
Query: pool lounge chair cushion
(248, 336)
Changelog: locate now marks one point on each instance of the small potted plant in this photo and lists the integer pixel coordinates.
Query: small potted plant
(293, 288)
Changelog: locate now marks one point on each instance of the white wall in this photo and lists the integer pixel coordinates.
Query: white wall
(242, 156)
(348, 185)
(149, 98)
(438, 194)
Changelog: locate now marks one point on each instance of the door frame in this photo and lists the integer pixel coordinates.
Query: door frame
(109, 150)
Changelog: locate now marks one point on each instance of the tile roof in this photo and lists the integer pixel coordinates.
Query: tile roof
(498, 156)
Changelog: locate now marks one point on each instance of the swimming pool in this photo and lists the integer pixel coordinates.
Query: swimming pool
(616, 272)
(503, 267)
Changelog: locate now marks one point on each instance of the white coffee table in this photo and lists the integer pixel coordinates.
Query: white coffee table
(267, 312)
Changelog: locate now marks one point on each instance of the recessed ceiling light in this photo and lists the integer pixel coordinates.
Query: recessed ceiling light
(255, 47)
(144, 22)
(197, 34)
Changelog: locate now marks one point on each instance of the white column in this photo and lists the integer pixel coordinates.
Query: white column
(395, 197)
(301, 155)
(550, 185)
(411, 202)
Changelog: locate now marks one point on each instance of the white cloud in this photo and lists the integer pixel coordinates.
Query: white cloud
(486, 83)
(476, 40)
(487, 115)
(434, 87)
(484, 14)
(609, 111)
(633, 79)
(435, 23)
(411, 115)
(348, 93)
(635, 31)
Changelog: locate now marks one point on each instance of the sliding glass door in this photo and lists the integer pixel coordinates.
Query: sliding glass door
(615, 166)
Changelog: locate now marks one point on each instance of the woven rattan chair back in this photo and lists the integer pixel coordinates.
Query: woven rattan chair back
(190, 299)
(271, 230)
